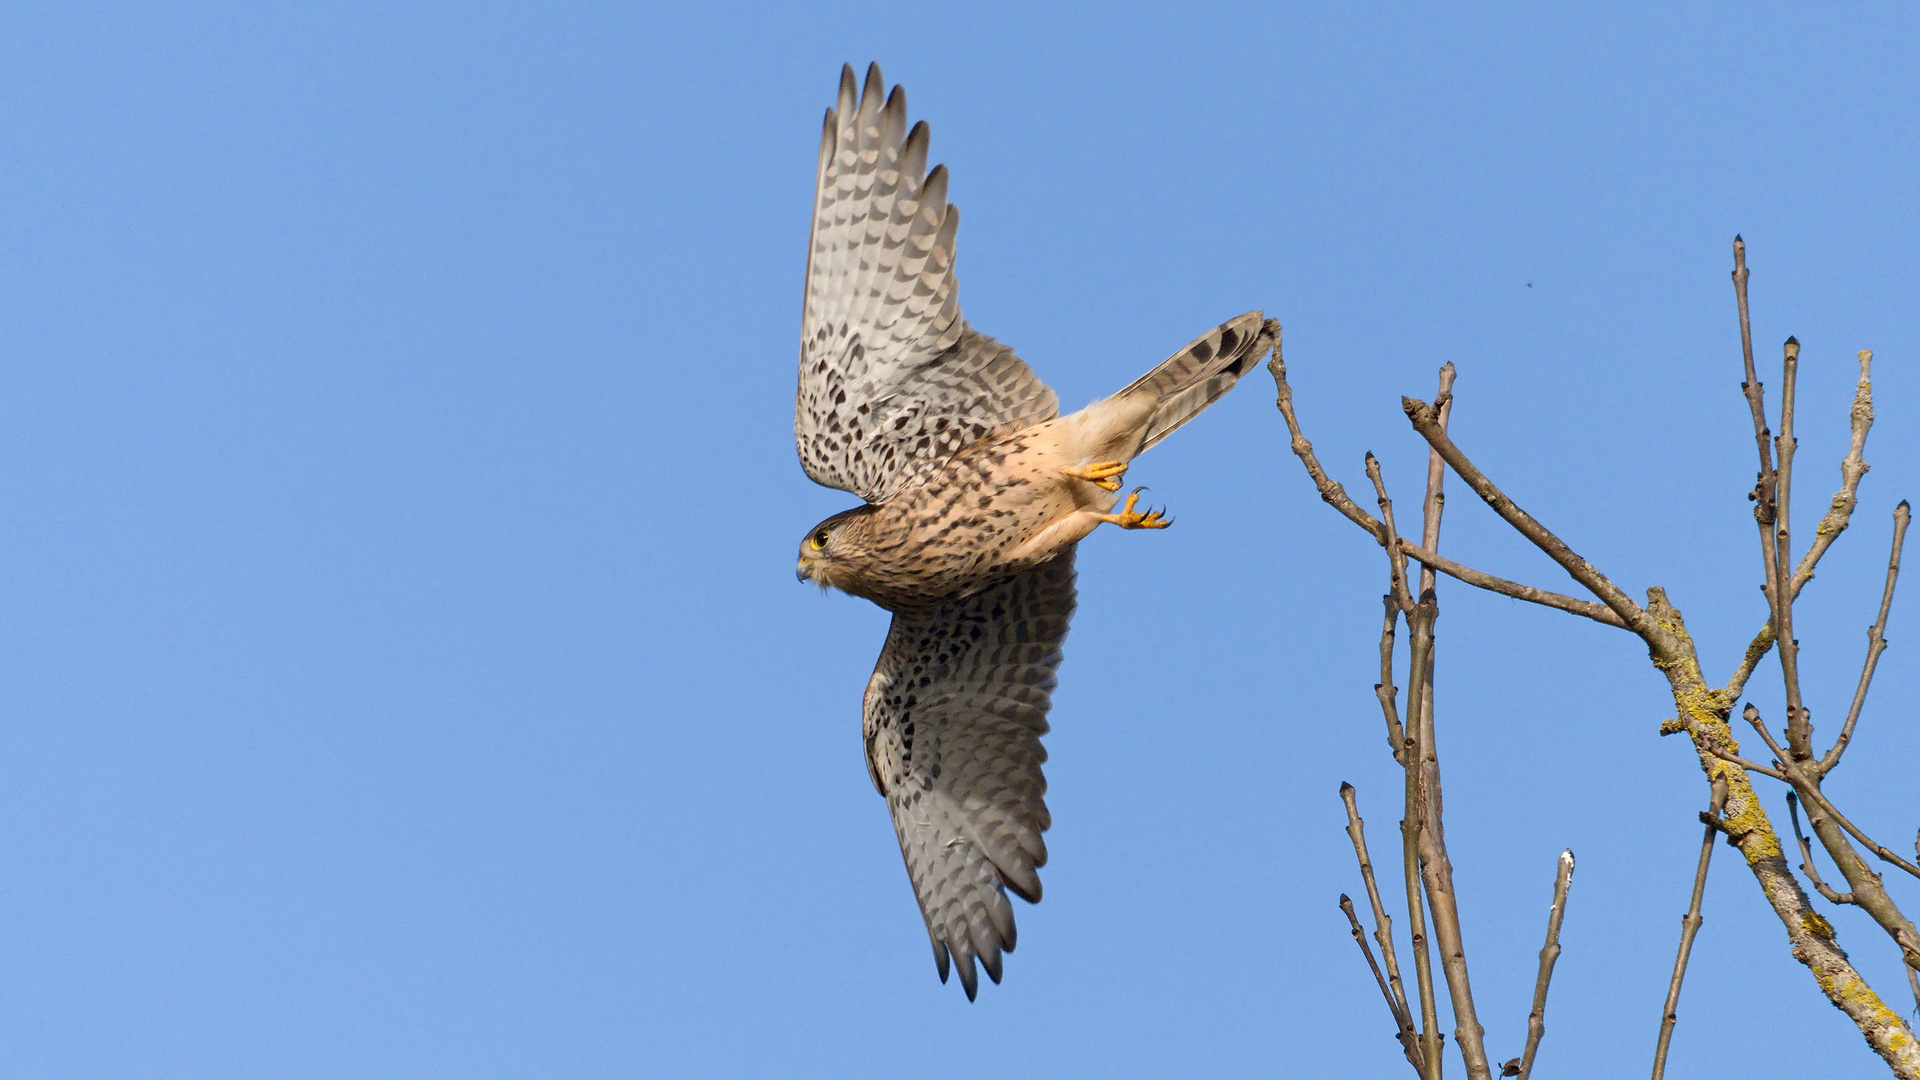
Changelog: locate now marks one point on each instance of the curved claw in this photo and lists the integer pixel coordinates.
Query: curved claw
(1130, 518)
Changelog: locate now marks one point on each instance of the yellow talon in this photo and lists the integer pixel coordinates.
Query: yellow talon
(1129, 518)
(1102, 474)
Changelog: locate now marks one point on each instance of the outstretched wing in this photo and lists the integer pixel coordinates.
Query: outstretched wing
(953, 721)
(892, 379)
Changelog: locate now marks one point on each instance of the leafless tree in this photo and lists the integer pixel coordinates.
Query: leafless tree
(1703, 713)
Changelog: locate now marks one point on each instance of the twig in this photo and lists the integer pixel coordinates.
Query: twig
(1755, 393)
(1390, 540)
(1752, 716)
(1689, 926)
(1330, 489)
(1763, 488)
(1806, 857)
(1796, 773)
(1834, 522)
(1335, 495)
(1413, 824)
(1436, 500)
(1391, 986)
(1383, 923)
(1426, 422)
(1384, 690)
(1876, 642)
(1435, 867)
(1799, 730)
(1751, 766)
(1480, 580)
(1852, 468)
(1813, 795)
(1549, 953)
(1866, 889)
(1404, 1030)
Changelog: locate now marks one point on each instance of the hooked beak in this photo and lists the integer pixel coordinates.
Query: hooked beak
(801, 575)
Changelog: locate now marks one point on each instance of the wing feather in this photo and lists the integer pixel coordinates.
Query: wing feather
(893, 380)
(953, 719)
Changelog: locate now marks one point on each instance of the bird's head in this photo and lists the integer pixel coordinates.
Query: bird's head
(832, 548)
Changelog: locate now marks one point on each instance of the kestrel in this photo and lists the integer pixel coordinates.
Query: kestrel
(977, 491)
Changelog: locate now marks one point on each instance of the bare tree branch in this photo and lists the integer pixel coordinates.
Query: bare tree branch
(1750, 766)
(1752, 716)
(1807, 866)
(1436, 501)
(1435, 866)
(1815, 797)
(1834, 522)
(1389, 694)
(1391, 986)
(1408, 1040)
(1779, 547)
(1336, 496)
(1413, 825)
(1330, 490)
(1755, 393)
(1703, 712)
(1426, 422)
(1853, 468)
(1382, 922)
(1479, 580)
(1390, 539)
(1689, 926)
(1549, 954)
(1876, 641)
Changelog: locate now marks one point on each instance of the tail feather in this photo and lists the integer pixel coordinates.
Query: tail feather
(1196, 376)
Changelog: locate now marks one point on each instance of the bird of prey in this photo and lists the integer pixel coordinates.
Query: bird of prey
(977, 491)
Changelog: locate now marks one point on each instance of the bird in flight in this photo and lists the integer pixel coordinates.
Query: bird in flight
(977, 491)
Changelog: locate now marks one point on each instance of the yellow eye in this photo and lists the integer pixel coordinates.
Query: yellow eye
(818, 541)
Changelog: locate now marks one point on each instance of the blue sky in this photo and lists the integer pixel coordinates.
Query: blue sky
(402, 672)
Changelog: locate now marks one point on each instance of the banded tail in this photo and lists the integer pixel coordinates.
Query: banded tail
(1156, 404)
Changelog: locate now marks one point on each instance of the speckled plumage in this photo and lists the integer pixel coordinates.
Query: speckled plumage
(971, 515)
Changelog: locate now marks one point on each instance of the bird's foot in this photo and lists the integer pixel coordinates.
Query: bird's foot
(1129, 518)
(1101, 474)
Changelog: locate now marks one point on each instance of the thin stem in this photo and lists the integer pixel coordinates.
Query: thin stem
(1876, 641)
(1689, 926)
(1436, 500)
(1815, 797)
(1750, 766)
(1806, 857)
(1834, 522)
(1866, 889)
(1752, 716)
(1383, 930)
(1335, 495)
(1796, 773)
(1549, 953)
(1384, 690)
(1404, 1029)
(1330, 489)
(1750, 386)
(1436, 867)
(1763, 489)
(1586, 608)
(1383, 923)
(1799, 729)
(1396, 558)
(1412, 826)
(1426, 422)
